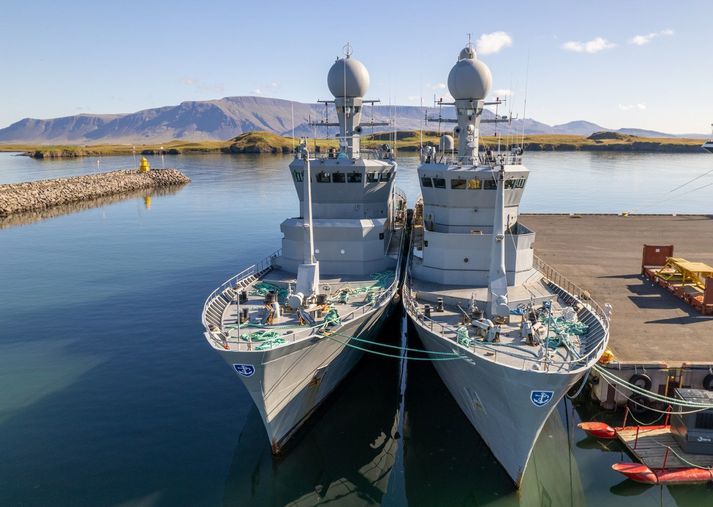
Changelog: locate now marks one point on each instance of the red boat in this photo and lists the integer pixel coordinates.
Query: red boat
(641, 473)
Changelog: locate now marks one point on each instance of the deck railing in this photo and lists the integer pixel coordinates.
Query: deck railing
(565, 289)
(574, 291)
(259, 267)
(223, 337)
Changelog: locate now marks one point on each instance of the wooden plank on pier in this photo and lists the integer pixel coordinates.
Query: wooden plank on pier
(651, 445)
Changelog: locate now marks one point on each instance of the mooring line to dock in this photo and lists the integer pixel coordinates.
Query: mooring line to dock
(682, 459)
(612, 379)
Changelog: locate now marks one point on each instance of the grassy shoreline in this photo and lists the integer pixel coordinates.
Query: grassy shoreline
(407, 141)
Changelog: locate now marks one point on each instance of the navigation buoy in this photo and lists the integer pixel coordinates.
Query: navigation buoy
(144, 166)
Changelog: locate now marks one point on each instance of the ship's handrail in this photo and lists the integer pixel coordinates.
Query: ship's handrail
(223, 339)
(572, 289)
(258, 267)
(306, 332)
(483, 159)
(596, 347)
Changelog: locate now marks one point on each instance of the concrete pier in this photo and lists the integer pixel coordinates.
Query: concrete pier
(652, 331)
(44, 194)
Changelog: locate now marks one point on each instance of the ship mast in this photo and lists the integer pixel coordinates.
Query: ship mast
(497, 279)
(308, 271)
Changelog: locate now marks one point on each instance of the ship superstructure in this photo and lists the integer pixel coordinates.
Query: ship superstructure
(292, 326)
(708, 145)
(474, 287)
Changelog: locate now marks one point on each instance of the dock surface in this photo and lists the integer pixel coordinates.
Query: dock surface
(649, 445)
(602, 254)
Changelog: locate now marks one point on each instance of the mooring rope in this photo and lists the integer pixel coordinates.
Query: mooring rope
(684, 460)
(393, 356)
(670, 401)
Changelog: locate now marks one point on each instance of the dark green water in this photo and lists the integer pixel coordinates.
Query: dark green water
(110, 396)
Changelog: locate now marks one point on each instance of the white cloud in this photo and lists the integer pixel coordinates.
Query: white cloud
(592, 46)
(437, 86)
(202, 86)
(502, 93)
(489, 43)
(629, 107)
(446, 97)
(413, 98)
(641, 40)
(257, 91)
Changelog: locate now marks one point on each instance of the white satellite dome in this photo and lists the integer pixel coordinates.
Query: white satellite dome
(348, 77)
(469, 78)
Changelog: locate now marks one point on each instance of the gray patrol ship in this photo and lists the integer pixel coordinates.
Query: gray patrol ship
(508, 335)
(292, 326)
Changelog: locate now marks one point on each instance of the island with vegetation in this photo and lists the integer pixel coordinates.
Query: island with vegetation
(402, 141)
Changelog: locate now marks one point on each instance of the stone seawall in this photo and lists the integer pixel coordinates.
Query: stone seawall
(43, 194)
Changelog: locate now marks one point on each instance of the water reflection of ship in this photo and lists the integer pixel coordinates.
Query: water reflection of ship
(345, 456)
(447, 463)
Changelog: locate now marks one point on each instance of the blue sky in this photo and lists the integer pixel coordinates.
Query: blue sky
(617, 63)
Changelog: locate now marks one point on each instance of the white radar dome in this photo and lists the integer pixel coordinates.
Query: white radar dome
(469, 78)
(348, 77)
(446, 143)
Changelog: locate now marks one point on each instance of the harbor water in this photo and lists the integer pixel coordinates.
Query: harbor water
(110, 395)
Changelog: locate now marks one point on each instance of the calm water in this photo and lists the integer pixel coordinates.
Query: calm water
(110, 396)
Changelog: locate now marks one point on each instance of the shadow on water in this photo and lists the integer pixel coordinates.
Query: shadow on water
(345, 454)
(447, 463)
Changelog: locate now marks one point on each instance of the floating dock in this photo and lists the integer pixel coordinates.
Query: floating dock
(661, 458)
(655, 335)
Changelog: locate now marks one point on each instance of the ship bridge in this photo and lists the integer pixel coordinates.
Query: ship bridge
(355, 205)
(470, 195)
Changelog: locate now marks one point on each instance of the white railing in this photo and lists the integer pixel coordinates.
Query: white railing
(234, 280)
(224, 339)
(450, 332)
(573, 290)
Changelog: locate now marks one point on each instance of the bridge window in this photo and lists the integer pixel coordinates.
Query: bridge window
(515, 183)
(426, 182)
(339, 177)
(489, 184)
(372, 177)
(458, 184)
(354, 177)
(439, 182)
(298, 175)
(474, 184)
(385, 176)
(323, 177)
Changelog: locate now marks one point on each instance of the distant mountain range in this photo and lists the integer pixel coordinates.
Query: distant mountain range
(228, 117)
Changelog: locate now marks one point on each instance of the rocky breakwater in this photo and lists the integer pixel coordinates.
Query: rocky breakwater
(43, 194)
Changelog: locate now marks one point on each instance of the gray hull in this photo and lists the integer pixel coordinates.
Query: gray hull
(291, 381)
(496, 399)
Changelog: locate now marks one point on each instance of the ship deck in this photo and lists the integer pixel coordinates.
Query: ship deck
(511, 347)
(350, 296)
(602, 253)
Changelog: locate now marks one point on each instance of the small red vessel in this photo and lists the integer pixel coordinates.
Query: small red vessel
(641, 473)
